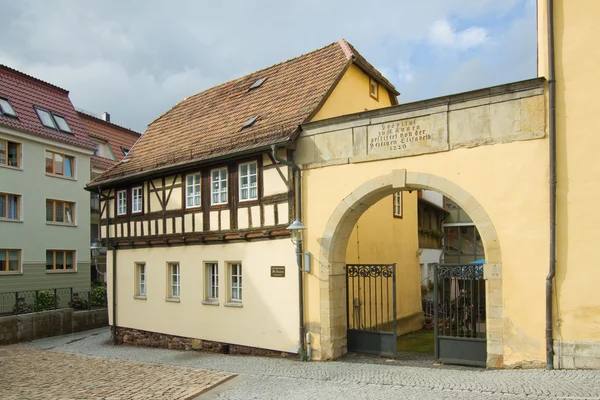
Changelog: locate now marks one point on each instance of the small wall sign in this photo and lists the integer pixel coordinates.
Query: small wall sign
(278, 272)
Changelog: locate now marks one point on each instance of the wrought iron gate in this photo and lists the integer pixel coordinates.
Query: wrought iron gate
(371, 308)
(459, 314)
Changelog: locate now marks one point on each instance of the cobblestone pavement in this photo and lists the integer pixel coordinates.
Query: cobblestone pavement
(28, 373)
(271, 378)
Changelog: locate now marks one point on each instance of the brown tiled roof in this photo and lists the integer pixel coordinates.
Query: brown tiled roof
(24, 92)
(208, 125)
(116, 136)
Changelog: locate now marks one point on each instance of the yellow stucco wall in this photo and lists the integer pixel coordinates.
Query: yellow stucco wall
(577, 126)
(351, 95)
(378, 237)
(520, 217)
(272, 301)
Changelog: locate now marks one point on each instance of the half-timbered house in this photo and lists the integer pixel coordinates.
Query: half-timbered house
(195, 216)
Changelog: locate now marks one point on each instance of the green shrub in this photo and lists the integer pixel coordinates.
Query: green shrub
(98, 296)
(46, 300)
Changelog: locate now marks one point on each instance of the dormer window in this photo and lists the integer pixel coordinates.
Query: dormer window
(257, 84)
(6, 108)
(53, 121)
(374, 89)
(249, 122)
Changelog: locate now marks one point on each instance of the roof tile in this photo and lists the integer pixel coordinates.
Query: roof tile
(24, 92)
(209, 124)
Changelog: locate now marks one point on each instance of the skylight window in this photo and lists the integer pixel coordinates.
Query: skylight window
(6, 108)
(249, 123)
(124, 150)
(46, 118)
(258, 83)
(62, 123)
(53, 121)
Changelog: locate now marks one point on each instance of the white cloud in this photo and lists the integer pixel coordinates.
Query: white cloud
(405, 73)
(138, 58)
(443, 34)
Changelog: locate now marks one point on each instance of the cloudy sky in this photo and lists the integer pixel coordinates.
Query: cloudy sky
(138, 58)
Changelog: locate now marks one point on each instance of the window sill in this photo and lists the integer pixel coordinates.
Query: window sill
(61, 224)
(11, 220)
(173, 300)
(11, 273)
(211, 302)
(140, 297)
(11, 167)
(248, 201)
(61, 177)
(234, 304)
(58, 271)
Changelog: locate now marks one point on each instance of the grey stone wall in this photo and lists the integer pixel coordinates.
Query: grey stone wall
(576, 355)
(25, 327)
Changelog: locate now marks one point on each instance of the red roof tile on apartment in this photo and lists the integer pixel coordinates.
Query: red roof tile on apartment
(208, 125)
(116, 136)
(24, 92)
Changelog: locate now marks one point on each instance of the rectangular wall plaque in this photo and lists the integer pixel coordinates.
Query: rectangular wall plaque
(278, 272)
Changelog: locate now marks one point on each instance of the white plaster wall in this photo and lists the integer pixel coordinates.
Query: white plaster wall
(268, 318)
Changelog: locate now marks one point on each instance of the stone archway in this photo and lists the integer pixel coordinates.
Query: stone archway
(333, 255)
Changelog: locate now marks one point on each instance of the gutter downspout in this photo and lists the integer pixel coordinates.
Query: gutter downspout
(552, 149)
(298, 196)
(114, 268)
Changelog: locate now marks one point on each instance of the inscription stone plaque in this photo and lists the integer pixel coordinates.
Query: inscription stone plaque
(404, 137)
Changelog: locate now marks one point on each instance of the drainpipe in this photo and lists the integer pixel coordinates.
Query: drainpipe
(552, 148)
(298, 179)
(114, 269)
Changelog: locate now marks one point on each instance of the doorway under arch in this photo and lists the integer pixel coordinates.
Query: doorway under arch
(337, 232)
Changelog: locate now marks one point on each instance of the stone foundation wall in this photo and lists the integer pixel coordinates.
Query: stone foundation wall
(136, 337)
(576, 355)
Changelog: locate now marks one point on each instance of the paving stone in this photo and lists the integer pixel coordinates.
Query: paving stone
(350, 378)
(31, 373)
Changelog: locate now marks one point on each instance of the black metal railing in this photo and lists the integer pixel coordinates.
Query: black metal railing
(28, 301)
(371, 292)
(460, 308)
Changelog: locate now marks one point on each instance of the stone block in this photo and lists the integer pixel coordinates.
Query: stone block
(492, 271)
(469, 127)
(398, 178)
(305, 150)
(359, 138)
(506, 121)
(196, 344)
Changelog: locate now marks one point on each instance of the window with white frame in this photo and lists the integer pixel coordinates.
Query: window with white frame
(140, 277)
(174, 280)
(248, 181)
(212, 281)
(235, 282)
(122, 202)
(192, 190)
(136, 199)
(218, 187)
(398, 204)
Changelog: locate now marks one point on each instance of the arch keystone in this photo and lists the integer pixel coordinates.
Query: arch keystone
(398, 178)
